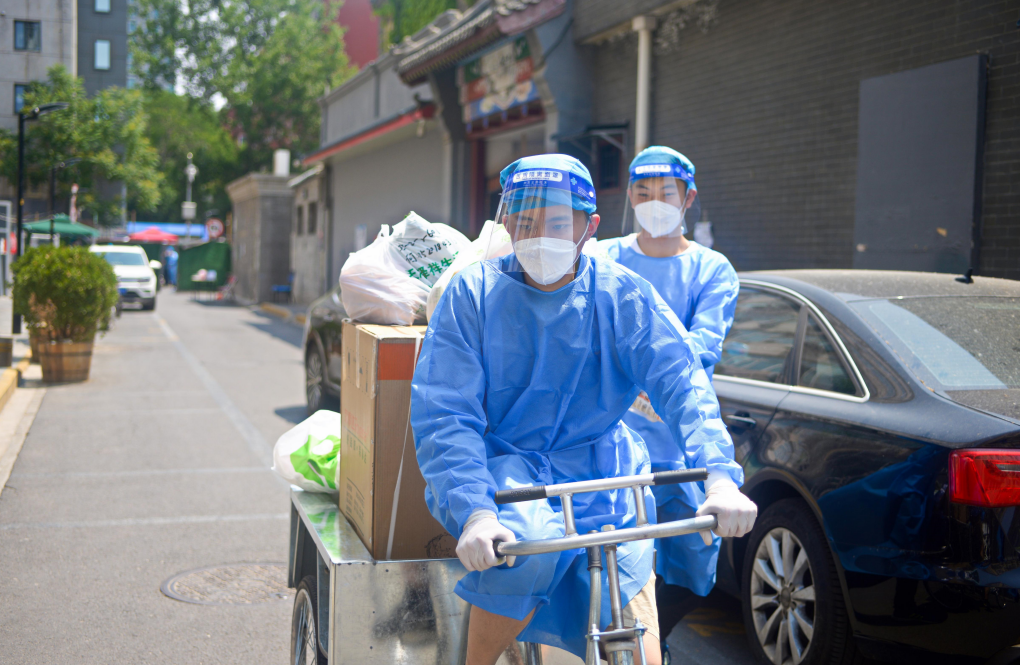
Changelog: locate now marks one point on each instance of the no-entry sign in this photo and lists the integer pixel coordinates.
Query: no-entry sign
(214, 226)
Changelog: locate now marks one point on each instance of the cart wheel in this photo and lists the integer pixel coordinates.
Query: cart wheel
(667, 657)
(304, 633)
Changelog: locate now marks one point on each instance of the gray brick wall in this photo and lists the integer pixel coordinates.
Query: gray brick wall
(594, 16)
(765, 104)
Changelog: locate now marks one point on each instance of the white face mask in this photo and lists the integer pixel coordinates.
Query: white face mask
(545, 259)
(659, 218)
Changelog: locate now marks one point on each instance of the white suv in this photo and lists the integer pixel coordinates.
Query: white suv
(136, 279)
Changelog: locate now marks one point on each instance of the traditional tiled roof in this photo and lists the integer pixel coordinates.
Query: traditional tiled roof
(455, 35)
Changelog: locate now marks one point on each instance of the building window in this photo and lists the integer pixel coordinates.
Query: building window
(313, 217)
(103, 6)
(299, 220)
(609, 166)
(27, 36)
(102, 54)
(19, 96)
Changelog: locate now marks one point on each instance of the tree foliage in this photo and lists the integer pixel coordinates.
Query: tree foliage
(65, 293)
(406, 17)
(179, 124)
(106, 132)
(268, 60)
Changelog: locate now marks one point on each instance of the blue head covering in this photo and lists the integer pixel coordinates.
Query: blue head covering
(658, 161)
(553, 179)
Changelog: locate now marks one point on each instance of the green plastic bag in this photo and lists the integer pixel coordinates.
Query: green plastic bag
(307, 455)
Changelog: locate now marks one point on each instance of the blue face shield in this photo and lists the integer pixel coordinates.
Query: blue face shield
(657, 194)
(545, 209)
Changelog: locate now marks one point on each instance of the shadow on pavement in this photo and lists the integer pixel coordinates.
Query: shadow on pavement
(216, 303)
(292, 414)
(712, 634)
(288, 332)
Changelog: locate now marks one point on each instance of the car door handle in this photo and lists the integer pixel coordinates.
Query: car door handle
(743, 421)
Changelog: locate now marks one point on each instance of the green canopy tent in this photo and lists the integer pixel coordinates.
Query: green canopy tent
(62, 225)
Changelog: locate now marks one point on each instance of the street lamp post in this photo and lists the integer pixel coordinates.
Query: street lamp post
(188, 207)
(34, 114)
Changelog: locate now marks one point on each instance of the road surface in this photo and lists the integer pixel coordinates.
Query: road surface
(159, 465)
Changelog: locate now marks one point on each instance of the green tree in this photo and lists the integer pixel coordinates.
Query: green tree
(268, 60)
(179, 124)
(107, 133)
(406, 17)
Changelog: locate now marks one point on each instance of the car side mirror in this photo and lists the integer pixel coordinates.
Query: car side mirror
(155, 265)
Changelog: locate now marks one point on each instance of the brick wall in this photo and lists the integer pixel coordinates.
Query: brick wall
(765, 104)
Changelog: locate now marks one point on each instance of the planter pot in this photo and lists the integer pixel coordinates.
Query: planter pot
(64, 362)
(6, 351)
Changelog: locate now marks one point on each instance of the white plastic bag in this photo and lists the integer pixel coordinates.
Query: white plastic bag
(307, 454)
(389, 281)
(492, 243)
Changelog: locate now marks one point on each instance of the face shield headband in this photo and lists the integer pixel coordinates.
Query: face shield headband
(658, 206)
(538, 208)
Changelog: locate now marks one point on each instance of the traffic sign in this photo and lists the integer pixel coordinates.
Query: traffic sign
(214, 226)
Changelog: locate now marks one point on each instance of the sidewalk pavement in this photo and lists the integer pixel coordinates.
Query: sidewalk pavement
(292, 312)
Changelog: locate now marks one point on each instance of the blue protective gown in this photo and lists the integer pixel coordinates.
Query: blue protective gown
(516, 386)
(700, 286)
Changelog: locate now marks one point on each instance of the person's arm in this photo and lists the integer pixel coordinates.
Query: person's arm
(713, 312)
(659, 356)
(663, 361)
(447, 412)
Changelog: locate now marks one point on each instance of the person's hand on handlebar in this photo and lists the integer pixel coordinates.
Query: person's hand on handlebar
(735, 512)
(475, 547)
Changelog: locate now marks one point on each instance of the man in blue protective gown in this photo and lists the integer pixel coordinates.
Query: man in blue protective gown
(700, 286)
(528, 366)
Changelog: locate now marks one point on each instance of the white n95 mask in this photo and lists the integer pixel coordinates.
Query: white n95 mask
(545, 259)
(659, 218)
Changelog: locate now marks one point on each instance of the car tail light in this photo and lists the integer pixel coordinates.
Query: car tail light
(987, 478)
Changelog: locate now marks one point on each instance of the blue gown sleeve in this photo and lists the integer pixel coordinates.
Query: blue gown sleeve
(713, 313)
(659, 357)
(447, 412)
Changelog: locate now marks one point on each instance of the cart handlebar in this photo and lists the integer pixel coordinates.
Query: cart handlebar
(614, 537)
(519, 494)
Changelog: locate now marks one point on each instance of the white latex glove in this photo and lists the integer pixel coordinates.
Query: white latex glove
(734, 511)
(474, 549)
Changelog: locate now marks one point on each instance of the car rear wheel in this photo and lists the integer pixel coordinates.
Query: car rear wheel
(793, 605)
(317, 395)
(315, 379)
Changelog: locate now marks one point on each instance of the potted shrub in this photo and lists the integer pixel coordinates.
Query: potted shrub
(66, 295)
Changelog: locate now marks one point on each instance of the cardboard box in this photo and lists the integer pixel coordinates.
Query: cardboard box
(375, 398)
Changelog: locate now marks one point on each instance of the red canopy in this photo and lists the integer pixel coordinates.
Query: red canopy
(152, 234)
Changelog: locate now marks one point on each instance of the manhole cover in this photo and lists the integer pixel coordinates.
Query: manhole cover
(233, 584)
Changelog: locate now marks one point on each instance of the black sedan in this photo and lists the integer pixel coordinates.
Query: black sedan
(877, 418)
(323, 358)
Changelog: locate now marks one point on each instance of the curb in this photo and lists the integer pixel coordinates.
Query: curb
(282, 313)
(9, 379)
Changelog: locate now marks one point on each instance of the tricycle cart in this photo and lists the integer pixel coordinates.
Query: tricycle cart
(351, 609)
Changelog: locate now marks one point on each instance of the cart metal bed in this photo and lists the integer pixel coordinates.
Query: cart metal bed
(352, 609)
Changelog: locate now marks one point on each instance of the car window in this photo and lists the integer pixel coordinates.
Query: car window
(820, 366)
(124, 258)
(764, 328)
(956, 343)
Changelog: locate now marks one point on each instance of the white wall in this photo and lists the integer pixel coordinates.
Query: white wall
(382, 186)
